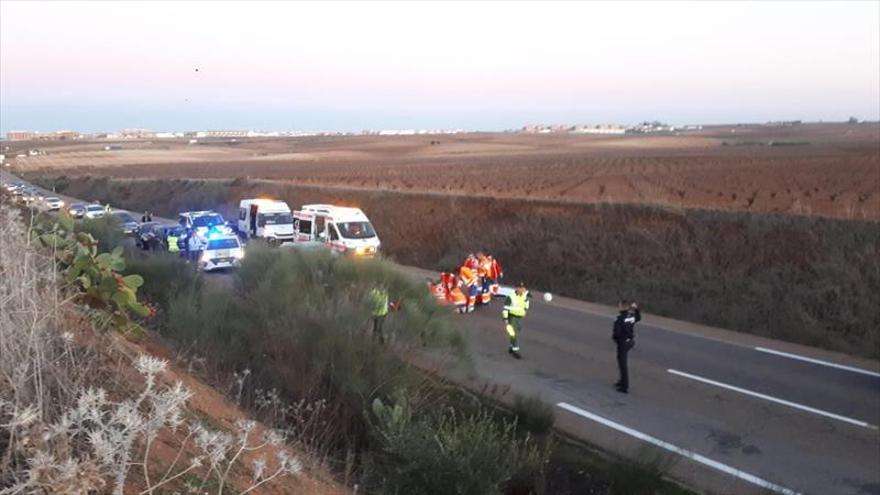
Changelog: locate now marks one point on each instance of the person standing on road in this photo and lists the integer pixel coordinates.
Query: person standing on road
(194, 246)
(624, 336)
(515, 307)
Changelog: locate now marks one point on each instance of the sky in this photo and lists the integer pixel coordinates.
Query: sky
(340, 66)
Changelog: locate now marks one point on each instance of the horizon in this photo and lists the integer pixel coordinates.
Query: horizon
(425, 131)
(484, 66)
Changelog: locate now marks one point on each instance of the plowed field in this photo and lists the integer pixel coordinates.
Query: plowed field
(817, 169)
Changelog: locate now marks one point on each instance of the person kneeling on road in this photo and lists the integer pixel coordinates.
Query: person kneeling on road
(515, 307)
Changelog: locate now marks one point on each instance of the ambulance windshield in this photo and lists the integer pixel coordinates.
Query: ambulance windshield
(356, 230)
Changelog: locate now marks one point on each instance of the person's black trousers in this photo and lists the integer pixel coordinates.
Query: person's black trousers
(623, 348)
(378, 323)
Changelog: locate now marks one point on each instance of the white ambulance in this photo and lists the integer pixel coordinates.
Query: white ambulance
(268, 219)
(344, 230)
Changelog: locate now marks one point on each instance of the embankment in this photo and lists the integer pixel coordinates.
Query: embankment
(808, 280)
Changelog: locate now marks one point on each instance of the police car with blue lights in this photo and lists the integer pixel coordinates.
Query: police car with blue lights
(202, 221)
(219, 247)
(222, 250)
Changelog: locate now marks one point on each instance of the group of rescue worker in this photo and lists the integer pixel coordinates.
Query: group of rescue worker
(477, 280)
(471, 285)
(474, 284)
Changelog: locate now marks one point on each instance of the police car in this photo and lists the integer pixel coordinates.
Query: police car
(221, 250)
(203, 222)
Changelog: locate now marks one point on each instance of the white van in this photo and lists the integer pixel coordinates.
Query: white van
(344, 230)
(221, 251)
(268, 219)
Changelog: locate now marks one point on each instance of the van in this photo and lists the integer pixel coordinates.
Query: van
(344, 230)
(267, 219)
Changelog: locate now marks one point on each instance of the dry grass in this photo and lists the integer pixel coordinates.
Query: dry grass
(83, 411)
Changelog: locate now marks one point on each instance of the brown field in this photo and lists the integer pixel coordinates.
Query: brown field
(830, 170)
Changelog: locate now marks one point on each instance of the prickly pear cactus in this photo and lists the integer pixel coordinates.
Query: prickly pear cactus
(95, 276)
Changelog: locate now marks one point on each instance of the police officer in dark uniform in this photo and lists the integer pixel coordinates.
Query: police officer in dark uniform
(624, 337)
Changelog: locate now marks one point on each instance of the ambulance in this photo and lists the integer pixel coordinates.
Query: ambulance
(344, 230)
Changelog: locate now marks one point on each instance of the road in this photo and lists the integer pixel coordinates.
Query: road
(761, 421)
(724, 411)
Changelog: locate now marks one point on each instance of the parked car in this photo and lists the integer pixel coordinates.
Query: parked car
(94, 211)
(153, 235)
(52, 203)
(77, 210)
(126, 221)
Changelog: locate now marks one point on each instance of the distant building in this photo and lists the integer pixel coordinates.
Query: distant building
(137, 134)
(21, 135)
(650, 127)
(397, 132)
(63, 135)
(221, 134)
(599, 129)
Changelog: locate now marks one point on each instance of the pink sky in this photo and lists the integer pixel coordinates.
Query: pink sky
(455, 64)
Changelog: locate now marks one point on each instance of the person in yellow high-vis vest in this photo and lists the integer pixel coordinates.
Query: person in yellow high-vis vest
(516, 306)
(380, 305)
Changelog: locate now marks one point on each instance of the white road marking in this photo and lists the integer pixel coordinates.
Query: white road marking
(678, 450)
(774, 399)
(819, 361)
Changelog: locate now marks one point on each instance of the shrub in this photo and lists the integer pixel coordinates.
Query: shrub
(449, 454)
(534, 415)
(300, 322)
(106, 230)
(95, 443)
(61, 431)
(165, 276)
(96, 277)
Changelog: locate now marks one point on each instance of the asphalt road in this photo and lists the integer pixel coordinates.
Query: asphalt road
(705, 403)
(788, 425)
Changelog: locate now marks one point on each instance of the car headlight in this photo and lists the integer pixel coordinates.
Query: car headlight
(238, 254)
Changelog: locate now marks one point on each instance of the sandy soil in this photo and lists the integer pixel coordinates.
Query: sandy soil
(818, 169)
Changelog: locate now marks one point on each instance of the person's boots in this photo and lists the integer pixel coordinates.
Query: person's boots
(514, 351)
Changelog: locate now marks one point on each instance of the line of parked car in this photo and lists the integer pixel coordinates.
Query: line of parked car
(31, 196)
(211, 241)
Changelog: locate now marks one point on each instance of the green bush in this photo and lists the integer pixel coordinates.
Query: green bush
(166, 276)
(301, 323)
(97, 277)
(450, 454)
(106, 230)
(534, 415)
